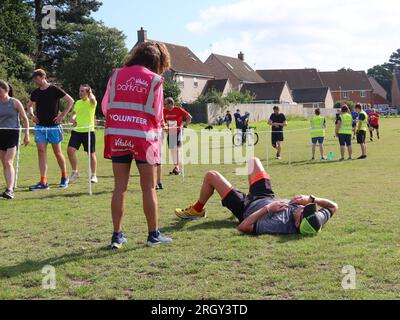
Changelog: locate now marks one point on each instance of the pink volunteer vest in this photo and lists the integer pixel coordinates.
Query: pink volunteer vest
(133, 107)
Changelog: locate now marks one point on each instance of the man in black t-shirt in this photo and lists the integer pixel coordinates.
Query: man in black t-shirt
(277, 121)
(48, 128)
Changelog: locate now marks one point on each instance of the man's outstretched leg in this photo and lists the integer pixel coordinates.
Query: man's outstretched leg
(213, 181)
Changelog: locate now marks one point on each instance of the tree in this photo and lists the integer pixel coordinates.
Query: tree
(171, 89)
(18, 39)
(383, 75)
(54, 45)
(345, 69)
(233, 97)
(99, 49)
(394, 60)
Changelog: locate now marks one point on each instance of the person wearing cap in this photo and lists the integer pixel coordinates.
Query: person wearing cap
(47, 117)
(260, 212)
(344, 131)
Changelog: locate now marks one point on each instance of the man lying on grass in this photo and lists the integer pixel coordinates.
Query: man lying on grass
(260, 212)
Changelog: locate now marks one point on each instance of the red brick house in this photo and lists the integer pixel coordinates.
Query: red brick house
(396, 88)
(190, 73)
(349, 85)
(296, 78)
(380, 96)
(236, 70)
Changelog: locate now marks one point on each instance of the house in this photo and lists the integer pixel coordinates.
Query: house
(380, 96)
(269, 92)
(314, 98)
(296, 78)
(396, 88)
(223, 86)
(190, 73)
(236, 70)
(349, 85)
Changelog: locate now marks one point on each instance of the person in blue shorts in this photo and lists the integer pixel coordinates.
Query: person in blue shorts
(48, 130)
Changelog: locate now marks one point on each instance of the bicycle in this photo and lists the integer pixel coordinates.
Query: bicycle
(250, 137)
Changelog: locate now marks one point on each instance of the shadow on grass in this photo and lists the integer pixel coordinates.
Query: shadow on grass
(44, 196)
(29, 266)
(200, 225)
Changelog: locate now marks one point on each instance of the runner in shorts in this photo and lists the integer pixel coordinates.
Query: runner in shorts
(259, 212)
(277, 121)
(82, 118)
(48, 128)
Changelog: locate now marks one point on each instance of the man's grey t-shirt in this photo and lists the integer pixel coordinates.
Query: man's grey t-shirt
(280, 222)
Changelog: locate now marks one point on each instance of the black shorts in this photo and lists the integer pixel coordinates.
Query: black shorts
(345, 140)
(277, 137)
(79, 138)
(374, 126)
(354, 125)
(237, 201)
(174, 141)
(8, 139)
(361, 137)
(128, 159)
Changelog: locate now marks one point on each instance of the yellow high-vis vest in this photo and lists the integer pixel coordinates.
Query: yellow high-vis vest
(318, 127)
(364, 125)
(347, 124)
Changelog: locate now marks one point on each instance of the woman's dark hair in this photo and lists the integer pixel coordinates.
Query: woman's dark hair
(152, 55)
(88, 87)
(276, 108)
(317, 112)
(5, 86)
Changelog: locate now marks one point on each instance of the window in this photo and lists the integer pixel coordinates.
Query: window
(180, 81)
(195, 82)
(363, 94)
(230, 66)
(248, 68)
(345, 95)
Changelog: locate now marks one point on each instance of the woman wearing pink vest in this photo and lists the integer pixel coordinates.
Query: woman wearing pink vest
(133, 106)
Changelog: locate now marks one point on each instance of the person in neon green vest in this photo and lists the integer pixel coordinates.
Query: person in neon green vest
(362, 129)
(344, 131)
(318, 126)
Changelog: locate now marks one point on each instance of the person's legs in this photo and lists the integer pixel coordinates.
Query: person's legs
(93, 163)
(42, 155)
(73, 158)
(322, 150)
(121, 180)
(213, 181)
(60, 159)
(378, 133)
(279, 148)
(148, 174)
(314, 147)
(8, 165)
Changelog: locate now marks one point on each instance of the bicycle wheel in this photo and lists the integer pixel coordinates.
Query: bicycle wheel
(238, 140)
(252, 139)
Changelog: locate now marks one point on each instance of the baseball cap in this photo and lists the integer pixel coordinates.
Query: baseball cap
(310, 225)
(38, 72)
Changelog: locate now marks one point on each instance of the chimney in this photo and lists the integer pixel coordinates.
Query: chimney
(241, 56)
(142, 35)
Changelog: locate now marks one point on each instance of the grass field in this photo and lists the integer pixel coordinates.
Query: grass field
(209, 259)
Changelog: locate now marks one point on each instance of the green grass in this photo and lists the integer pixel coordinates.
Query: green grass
(209, 259)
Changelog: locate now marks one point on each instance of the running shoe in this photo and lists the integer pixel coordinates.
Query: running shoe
(94, 179)
(40, 186)
(118, 240)
(74, 176)
(156, 241)
(175, 172)
(64, 184)
(8, 194)
(190, 214)
(160, 186)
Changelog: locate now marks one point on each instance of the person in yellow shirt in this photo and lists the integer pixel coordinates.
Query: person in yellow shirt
(83, 117)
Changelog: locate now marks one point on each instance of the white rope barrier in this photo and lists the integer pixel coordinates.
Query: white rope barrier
(18, 156)
(90, 161)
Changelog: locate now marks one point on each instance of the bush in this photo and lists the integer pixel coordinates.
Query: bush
(234, 97)
(350, 104)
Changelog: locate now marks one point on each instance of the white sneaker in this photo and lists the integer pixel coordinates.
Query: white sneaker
(94, 179)
(74, 177)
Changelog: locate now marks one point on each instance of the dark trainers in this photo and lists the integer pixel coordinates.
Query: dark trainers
(156, 241)
(160, 186)
(39, 186)
(64, 184)
(175, 172)
(118, 240)
(8, 194)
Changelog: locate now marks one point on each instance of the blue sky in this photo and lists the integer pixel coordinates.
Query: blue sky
(325, 34)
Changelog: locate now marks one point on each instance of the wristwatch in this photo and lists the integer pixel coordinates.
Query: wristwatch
(312, 199)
